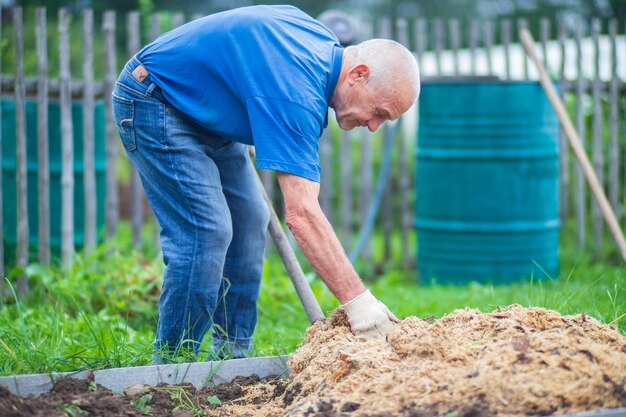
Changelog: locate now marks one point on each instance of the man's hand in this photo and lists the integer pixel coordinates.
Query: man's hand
(369, 318)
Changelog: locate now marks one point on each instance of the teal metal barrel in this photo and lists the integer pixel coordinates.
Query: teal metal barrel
(487, 183)
(55, 163)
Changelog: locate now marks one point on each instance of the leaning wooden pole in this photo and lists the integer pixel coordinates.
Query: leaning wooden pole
(574, 141)
(294, 270)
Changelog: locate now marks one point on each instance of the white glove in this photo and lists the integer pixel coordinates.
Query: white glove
(369, 318)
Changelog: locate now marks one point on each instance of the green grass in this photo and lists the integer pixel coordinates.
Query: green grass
(102, 311)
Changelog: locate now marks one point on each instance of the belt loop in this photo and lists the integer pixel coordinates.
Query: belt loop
(151, 88)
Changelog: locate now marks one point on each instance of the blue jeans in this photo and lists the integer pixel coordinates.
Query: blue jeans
(205, 195)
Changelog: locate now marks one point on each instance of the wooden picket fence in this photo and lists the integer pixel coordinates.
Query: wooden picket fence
(348, 159)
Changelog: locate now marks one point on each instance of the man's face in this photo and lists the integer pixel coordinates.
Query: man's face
(364, 108)
(357, 104)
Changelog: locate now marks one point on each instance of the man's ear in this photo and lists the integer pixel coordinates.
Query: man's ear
(358, 73)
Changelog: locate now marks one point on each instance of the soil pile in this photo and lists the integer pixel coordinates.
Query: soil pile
(511, 362)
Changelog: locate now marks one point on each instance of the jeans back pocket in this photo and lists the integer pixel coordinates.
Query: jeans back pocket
(124, 112)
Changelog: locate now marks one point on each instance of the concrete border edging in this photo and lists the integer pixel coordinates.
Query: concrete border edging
(199, 374)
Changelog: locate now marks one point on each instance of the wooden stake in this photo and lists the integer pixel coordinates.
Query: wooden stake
(574, 140)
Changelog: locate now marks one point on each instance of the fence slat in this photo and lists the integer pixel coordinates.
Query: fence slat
(346, 189)
(598, 147)
(404, 186)
(506, 46)
(544, 36)
(522, 24)
(89, 169)
(136, 191)
(439, 43)
(564, 166)
(326, 180)
(178, 19)
(21, 173)
(386, 210)
(580, 208)
(67, 139)
(489, 45)
(420, 41)
(365, 185)
(110, 68)
(404, 182)
(2, 267)
(43, 189)
(455, 41)
(155, 31)
(474, 35)
(155, 25)
(385, 29)
(614, 151)
(386, 205)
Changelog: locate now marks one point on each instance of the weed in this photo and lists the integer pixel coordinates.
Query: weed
(141, 404)
(184, 401)
(73, 409)
(214, 400)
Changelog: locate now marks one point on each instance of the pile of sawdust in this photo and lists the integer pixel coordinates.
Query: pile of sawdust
(511, 362)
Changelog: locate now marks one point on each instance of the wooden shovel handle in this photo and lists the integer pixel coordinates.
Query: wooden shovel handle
(294, 270)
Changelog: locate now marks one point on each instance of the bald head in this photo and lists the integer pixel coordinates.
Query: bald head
(393, 67)
(379, 81)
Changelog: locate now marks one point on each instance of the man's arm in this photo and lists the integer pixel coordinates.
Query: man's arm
(316, 237)
(368, 317)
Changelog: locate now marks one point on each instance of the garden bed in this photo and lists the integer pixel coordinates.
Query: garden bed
(513, 361)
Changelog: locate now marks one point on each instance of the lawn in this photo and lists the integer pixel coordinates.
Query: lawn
(102, 312)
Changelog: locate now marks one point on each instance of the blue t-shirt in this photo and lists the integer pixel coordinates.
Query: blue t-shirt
(260, 75)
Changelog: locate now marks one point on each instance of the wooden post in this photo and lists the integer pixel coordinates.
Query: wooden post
(136, 190)
(89, 166)
(580, 207)
(579, 150)
(564, 168)
(598, 146)
(346, 189)
(20, 153)
(614, 151)
(110, 73)
(43, 189)
(506, 46)
(455, 41)
(489, 45)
